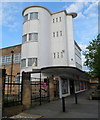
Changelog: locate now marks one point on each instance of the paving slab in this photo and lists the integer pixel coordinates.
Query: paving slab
(84, 109)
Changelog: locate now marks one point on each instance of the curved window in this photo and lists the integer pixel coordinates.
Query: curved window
(23, 63)
(32, 61)
(33, 15)
(25, 17)
(33, 36)
(24, 38)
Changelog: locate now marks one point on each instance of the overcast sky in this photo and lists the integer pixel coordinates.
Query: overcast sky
(85, 24)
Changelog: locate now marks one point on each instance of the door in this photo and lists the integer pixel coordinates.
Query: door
(71, 86)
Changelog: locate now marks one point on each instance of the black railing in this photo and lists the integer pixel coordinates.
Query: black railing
(12, 93)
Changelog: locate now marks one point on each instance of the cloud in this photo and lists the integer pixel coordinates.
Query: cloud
(9, 15)
(75, 7)
(91, 7)
(80, 15)
(83, 8)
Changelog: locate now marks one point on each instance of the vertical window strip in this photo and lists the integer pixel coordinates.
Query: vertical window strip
(54, 55)
(60, 19)
(56, 19)
(57, 54)
(53, 34)
(53, 20)
(57, 34)
(60, 33)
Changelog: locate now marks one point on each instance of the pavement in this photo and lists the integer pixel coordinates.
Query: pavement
(83, 109)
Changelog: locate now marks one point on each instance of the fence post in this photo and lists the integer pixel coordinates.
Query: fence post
(76, 98)
(26, 90)
(40, 89)
(2, 91)
(63, 104)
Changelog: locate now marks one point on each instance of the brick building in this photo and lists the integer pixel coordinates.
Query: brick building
(12, 66)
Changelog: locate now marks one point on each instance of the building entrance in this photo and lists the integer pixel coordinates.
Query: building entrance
(71, 86)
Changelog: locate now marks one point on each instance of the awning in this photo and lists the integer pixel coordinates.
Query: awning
(66, 72)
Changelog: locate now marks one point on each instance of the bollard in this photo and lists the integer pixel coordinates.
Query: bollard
(63, 104)
(76, 98)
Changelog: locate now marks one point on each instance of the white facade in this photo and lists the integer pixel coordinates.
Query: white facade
(49, 41)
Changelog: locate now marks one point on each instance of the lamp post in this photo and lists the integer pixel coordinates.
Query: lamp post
(12, 52)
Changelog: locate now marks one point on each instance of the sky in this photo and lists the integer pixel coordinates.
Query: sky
(85, 24)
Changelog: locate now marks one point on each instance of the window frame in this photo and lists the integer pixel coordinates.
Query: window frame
(34, 61)
(24, 38)
(17, 58)
(22, 66)
(32, 35)
(60, 19)
(56, 19)
(25, 17)
(53, 20)
(8, 59)
(57, 33)
(60, 33)
(35, 17)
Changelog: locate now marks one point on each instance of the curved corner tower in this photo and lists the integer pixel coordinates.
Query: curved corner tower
(35, 38)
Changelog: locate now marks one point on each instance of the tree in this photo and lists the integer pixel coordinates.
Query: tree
(92, 56)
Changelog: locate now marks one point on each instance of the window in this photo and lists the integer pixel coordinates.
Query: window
(23, 63)
(61, 54)
(60, 19)
(33, 36)
(17, 78)
(17, 58)
(53, 34)
(24, 38)
(0, 60)
(54, 55)
(6, 79)
(32, 61)
(57, 54)
(33, 15)
(78, 65)
(53, 20)
(25, 17)
(56, 19)
(57, 34)
(77, 85)
(60, 33)
(3, 60)
(8, 59)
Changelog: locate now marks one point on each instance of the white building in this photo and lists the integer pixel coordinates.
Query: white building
(48, 40)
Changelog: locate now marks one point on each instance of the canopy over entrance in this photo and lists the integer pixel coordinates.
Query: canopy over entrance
(63, 72)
